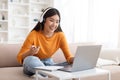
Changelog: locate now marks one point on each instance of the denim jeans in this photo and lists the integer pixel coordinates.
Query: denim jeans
(32, 61)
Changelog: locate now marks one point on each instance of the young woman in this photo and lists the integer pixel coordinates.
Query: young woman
(42, 42)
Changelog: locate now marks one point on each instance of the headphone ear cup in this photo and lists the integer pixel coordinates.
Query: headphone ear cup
(41, 18)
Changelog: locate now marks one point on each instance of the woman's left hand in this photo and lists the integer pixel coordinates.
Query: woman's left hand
(71, 60)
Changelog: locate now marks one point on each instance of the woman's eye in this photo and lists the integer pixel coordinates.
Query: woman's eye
(57, 22)
(52, 20)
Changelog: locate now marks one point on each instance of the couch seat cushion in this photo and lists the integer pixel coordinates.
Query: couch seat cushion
(13, 73)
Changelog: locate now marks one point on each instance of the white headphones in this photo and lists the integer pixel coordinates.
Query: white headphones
(42, 15)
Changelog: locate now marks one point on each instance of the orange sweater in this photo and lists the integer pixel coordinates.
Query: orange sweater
(48, 46)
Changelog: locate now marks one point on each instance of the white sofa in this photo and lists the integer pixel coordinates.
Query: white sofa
(11, 70)
(112, 55)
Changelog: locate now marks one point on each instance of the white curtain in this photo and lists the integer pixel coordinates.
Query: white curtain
(91, 21)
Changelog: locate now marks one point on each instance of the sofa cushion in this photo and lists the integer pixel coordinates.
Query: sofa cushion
(8, 53)
(105, 62)
(13, 73)
(112, 54)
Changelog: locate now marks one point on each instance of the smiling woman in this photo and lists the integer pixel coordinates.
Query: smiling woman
(42, 42)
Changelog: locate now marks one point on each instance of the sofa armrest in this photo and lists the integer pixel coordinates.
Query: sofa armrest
(8, 55)
(112, 54)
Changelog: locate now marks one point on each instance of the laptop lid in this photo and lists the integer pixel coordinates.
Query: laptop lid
(85, 58)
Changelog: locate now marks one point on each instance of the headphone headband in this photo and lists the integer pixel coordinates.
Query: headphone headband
(42, 15)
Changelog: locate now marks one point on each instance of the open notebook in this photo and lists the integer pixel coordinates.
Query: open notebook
(49, 68)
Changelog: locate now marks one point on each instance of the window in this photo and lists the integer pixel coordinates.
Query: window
(91, 21)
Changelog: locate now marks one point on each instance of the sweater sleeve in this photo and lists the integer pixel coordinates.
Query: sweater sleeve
(25, 47)
(65, 48)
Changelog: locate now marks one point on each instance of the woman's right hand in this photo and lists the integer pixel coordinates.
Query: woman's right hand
(34, 49)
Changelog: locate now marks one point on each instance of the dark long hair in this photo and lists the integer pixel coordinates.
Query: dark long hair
(49, 13)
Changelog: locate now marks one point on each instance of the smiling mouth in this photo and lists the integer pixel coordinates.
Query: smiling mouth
(52, 28)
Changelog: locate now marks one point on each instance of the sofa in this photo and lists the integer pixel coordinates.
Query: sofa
(10, 69)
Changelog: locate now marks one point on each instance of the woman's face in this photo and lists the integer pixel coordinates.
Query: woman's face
(51, 23)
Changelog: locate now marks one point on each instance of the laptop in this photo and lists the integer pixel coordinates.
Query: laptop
(85, 58)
